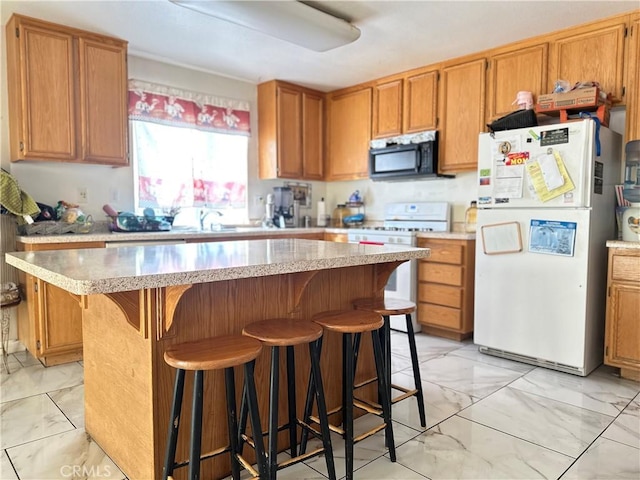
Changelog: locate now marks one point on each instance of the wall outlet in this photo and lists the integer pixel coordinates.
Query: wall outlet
(83, 196)
(257, 200)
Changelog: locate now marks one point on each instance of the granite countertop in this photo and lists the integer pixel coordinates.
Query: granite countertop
(194, 234)
(175, 234)
(622, 244)
(108, 270)
(448, 235)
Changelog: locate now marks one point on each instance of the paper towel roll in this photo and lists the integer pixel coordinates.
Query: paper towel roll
(322, 213)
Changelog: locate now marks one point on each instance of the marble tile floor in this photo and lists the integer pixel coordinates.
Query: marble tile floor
(488, 418)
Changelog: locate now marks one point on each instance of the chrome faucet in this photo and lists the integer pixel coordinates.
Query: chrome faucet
(205, 213)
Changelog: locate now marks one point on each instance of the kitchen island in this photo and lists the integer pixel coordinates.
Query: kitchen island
(139, 300)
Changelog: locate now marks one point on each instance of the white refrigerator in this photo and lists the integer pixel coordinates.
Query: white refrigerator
(546, 206)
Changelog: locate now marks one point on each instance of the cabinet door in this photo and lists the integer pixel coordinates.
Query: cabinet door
(312, 136)
(61, 320)
(289, 132)
(633, 82)
(590, 54)
(44, 116)
(420, 102)
(387, 109)
(623, 329)
(103, 102)
(349, 132)
(524, 69)
(462, 114)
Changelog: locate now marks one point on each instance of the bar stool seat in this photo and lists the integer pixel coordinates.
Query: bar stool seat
(397, 306)
(217, 353)
(287, 332)
(352, 324)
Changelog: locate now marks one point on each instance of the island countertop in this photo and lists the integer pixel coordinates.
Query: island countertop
(93, 271)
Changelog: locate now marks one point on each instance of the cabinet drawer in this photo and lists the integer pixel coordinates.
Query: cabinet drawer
(438, 315)
(440, 273)
(440, 294)
(626, 268)
(445, 253)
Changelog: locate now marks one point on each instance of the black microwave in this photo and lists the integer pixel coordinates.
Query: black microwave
(404, 161)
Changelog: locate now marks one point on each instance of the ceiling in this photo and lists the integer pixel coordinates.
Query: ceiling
(396, 35)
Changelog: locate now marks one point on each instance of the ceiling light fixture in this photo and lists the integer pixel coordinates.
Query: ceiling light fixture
(288, 20)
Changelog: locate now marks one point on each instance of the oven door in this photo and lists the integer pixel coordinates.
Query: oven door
(403, 281)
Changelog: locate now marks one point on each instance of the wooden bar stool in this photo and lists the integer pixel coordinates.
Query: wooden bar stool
(286, 332)
(351, 324)
(395, 306)
(217, 353)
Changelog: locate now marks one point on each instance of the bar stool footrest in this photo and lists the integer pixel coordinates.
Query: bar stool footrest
(300, 458)
(247, 466)
(369, 433)
(205, 456)
(408, 392)
(368, 406)
(364, 383)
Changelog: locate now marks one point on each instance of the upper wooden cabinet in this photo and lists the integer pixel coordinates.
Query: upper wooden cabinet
(387, 108)
(67, 94)
(290, 131)
(462, 115)
(633, 81)
(405, 103)
(348, 133)
(594, 52)
(514, 70)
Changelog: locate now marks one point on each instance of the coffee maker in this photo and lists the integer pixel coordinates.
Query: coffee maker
(283, 215)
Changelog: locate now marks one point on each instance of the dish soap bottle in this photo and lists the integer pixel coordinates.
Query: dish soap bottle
(470, 217)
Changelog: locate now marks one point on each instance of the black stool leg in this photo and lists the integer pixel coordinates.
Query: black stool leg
(416, 370)
(383, 392)
(274, 385)
(174, 424)
(308, 404)
(291, 379)
(254, 414)
(232, 421)
(347, 388)
(386, 350)
(196, 426)
(314, 353)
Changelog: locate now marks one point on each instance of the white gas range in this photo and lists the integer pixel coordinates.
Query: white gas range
(402, 222)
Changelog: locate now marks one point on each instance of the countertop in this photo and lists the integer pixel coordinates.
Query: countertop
(622, 244)
(175, 234)
(108, 270)
(181, 234)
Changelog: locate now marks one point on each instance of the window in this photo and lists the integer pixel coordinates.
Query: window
(188, 153)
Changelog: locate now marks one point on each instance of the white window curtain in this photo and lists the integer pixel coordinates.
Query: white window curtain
(189, 149)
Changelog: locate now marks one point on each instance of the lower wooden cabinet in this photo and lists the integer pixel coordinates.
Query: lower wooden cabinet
(622, 331)
(445, 287)
(335, 237)
(49, 318)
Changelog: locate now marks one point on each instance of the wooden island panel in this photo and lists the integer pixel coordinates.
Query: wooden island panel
(129, 418)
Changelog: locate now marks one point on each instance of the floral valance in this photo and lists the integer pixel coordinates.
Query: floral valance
(172, 106)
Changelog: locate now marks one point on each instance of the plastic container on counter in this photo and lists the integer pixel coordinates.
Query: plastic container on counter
(339, 213)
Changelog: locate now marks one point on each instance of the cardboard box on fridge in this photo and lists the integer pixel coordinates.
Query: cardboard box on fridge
(575, 99)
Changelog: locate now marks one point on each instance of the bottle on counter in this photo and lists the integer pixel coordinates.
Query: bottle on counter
(339, 213)
(470, 217)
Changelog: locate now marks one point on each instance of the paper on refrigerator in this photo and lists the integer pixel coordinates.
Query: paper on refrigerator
(509, 164)
(549, 177)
